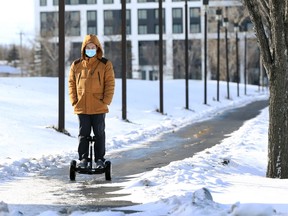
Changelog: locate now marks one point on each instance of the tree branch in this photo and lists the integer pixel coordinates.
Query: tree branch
(253, 8)
(265, 11)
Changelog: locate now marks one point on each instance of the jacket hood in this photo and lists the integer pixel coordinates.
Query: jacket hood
(91, 38)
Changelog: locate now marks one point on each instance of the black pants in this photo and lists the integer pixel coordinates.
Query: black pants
(86, 123)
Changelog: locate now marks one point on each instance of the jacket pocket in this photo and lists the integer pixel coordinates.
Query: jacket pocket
(99, 78)
(80, 105)
(98, 97)
(78, 79)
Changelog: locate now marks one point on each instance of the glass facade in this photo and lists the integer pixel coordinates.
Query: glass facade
(112, 22)
(148, 21)
(105, 19)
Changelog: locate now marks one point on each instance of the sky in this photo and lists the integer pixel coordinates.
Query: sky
(29, 144)
(16, 16)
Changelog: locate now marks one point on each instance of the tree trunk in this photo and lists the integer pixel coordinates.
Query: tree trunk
(278, 126)
(271, 28)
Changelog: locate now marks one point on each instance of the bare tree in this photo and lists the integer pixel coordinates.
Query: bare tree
(236, 15)
(270, 19)
(48, 66)
(194, 59)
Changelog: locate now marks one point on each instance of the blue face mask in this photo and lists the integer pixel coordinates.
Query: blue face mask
(90, 52)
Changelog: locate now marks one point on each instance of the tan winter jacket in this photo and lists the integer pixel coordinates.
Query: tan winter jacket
(91, 81)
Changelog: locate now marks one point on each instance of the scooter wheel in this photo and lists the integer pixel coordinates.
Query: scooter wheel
(73, 170)
(108, 171)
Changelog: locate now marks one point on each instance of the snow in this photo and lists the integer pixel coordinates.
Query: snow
(7, 69)
(200, 185)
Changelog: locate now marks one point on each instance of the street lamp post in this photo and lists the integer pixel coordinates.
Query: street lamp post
(236, 30)
(61, 66)
(186, 56)
(218, 17)
(161, 109)
(245, 61)
(226, 23)
(205, 3)
(124, 76)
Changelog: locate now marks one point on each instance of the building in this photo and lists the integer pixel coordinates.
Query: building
(103, 18)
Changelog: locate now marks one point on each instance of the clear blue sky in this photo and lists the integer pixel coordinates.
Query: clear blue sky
(16, 16)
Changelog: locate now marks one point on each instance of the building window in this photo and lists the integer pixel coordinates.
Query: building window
(112, 22)
(177, 13)
(148, 22)
(75, 2)
(144, 1)
(156, 12)
(73, 23)
(108, 22)
(177, 17)
(43, 2)
(142, 29)
(108, 30)
(194, 28)
(108, 2)
(108, 15)
(113, 51)
(195, 12)
(49, 24)
(142, 14)
(157, 18)
(195, 20)
(75, 51)
(149, 52)
(91, 1)
(177, 28)
(91, 22)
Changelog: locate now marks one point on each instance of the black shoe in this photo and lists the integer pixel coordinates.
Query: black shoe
(99, 164)
(83, 164)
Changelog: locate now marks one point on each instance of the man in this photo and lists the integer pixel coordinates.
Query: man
(91, 88)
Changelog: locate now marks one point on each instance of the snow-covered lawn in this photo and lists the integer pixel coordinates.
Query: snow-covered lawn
(29, 110)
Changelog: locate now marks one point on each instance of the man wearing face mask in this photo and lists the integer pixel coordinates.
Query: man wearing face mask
(91, 86)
